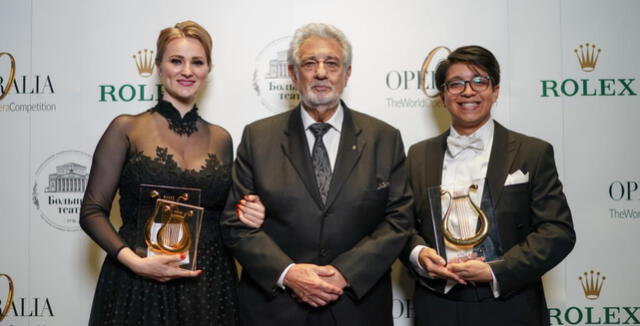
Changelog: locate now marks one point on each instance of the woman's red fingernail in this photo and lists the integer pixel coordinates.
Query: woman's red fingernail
(183, 256)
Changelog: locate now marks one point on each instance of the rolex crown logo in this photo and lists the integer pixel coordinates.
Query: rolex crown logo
(587, 56)
(144, 62)
(591, 284)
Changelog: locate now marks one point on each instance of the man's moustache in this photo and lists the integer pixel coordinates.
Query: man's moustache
(321, 85)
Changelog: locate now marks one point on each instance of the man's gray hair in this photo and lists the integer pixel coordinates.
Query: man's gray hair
(322, 31)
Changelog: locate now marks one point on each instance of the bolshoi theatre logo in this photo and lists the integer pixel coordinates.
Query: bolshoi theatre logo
(59, 187)
(132, 91)
(271, 79)
(587, 56)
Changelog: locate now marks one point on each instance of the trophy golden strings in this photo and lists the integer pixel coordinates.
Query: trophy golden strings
(461, 231)
(173, 236)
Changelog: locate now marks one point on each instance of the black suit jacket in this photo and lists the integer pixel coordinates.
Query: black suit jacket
(361, 230)
(534, 220)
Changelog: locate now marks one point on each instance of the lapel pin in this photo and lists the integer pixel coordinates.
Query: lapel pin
(354, 147)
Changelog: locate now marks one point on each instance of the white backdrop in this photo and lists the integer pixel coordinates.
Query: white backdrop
(75, 72)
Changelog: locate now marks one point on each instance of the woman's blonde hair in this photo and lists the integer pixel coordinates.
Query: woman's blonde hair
(186, 28)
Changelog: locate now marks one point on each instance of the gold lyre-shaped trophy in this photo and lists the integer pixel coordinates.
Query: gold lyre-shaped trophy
(171, 221)
(464, 224)
(174, 228)
(173, 236)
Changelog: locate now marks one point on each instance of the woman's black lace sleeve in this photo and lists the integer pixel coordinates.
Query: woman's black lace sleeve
(108, 161)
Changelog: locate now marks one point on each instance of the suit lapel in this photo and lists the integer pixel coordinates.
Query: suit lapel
(435, 159)
(295, 147)
(349, 151)
(503, 152)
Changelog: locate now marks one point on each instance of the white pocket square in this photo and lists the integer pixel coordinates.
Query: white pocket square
(517, 178)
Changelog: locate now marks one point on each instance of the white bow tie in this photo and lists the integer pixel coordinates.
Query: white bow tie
(457, 144)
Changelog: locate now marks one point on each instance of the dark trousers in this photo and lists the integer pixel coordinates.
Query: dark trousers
(320, 316)
(525, 308)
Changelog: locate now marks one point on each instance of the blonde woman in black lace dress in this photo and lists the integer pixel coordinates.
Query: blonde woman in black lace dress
(170, 144)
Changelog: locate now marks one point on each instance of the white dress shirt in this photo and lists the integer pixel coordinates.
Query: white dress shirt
(331, 142)
(468, 166)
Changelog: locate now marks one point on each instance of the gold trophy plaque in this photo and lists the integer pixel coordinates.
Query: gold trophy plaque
(174, 228)
(172, 221)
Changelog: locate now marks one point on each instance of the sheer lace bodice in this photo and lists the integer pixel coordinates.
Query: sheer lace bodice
(144, 149)
(160, 147)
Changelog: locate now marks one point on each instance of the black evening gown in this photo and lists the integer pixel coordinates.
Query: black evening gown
(160, 147)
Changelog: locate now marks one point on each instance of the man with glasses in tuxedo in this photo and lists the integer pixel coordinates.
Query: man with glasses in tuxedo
(497, 281)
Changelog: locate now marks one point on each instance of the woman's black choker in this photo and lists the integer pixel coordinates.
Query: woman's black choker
(179, 125)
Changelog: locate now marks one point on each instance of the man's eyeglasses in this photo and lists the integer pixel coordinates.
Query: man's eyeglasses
(477, 83)
(329, 64)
